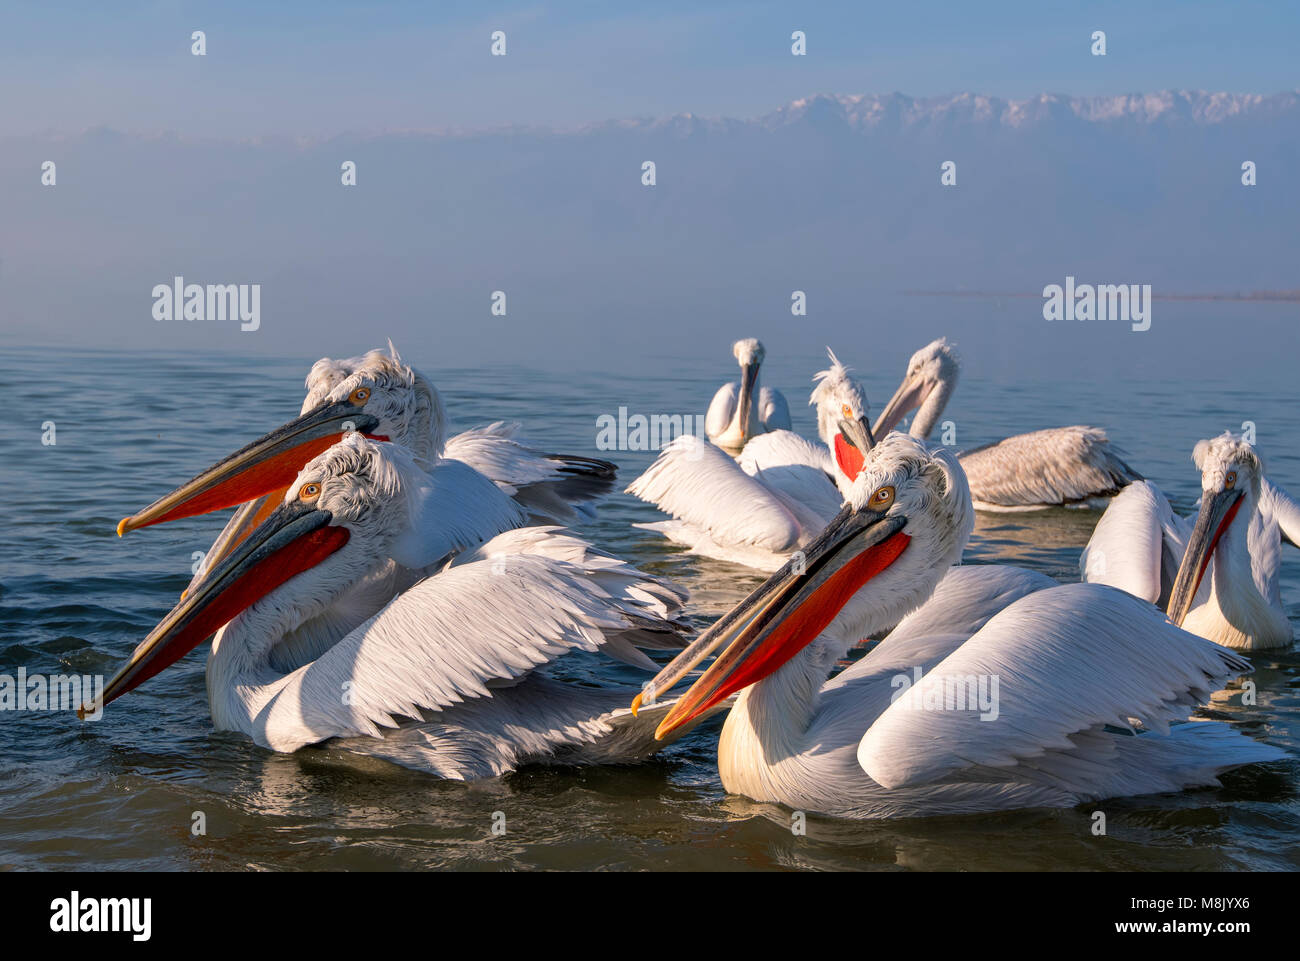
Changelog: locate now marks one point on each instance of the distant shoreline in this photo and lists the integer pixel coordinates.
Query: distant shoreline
(1262, 296)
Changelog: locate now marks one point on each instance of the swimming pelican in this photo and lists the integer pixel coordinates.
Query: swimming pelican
(1140, 545)
(1043, 468)
(451, 675)
(775, 498)
(556, 488)
(1088, 677)
(380, 396)
(734, 416)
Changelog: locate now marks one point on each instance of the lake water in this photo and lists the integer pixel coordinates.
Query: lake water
(121, 793)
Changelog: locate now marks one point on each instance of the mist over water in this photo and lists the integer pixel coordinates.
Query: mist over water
(121, 792)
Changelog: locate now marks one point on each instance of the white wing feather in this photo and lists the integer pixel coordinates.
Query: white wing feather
(721, 409)
(795, 466)
(773, 411)
(450, 638)
(700, 484)
(967, 597)
(1137, 545)
(1046, 651)
(552, 487)
(1281, 508)
(1062, 465)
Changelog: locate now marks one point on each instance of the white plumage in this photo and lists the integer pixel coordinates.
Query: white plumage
(1140, 544)
(719, 510)
(743, 410)
(1054, 467)
(556, 488)
(450, 673)
(530, 487)
(771, 500)
(1090, 684)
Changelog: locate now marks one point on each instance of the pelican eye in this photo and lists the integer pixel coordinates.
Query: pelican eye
(846, 410)
(308, 491)
(359, 396)
(1229, 479)
(883, 497)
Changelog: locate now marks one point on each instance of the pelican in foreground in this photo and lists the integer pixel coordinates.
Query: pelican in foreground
(451, 676)
(775, 498)
(1141, 546)
(1065, 696)
(1059, 466)
(383, 398)
(742, 410)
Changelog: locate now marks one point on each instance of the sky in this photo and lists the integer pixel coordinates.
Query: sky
(224, 169)
(324, 68)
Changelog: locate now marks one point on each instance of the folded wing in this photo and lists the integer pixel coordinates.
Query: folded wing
(1068, 661)
(1062, 465)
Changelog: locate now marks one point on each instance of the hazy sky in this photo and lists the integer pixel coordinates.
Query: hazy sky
(321, 68)
(600, 269)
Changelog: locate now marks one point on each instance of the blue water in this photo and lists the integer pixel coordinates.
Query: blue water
(122, 792)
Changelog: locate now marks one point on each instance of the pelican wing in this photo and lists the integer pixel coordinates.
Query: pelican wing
(700, 484)
(967, 597)
(1280, 507)
(553, 487)
(773, 411)
(795, 466)
(1062, 465)
(1137, 545)
(487, 620)
(721, 409)
(1068, 661)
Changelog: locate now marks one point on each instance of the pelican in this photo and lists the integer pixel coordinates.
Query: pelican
(1089, 677)
(1140, 545)
(452, 675)
(381, 397)
(552, 488)
(1043, 468)
(782, 492)
(740, 411)
(775, 498)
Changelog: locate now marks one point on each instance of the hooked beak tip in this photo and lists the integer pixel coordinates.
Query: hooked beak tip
(636, 705)
(122, 527)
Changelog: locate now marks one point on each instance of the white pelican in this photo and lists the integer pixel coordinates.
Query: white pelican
(775, 498)
(1089, 678)
(1043, 468)
(450, 676)
(740, 411)
(382, 397)
(555, 488)
(1140, 545)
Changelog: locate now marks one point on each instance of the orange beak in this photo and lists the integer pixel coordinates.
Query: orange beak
(1217, 512)
(851, 445)
(295, 538)
(268, 464)
(784, 614)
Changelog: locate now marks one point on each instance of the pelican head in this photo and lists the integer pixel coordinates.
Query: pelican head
(375, 395)
(346, 512)
(903, 524)
(744, 421)
(932, 372)
(749, 352)
(842, 421)
(1231, 472)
